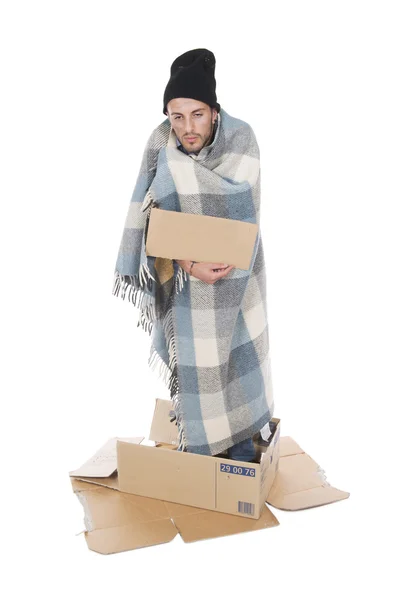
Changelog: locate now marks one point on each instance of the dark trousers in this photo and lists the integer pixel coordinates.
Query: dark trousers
(244, 451)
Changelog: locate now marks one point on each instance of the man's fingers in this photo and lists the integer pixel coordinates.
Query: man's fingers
(218, 265)
(226, 271)
(221, 274)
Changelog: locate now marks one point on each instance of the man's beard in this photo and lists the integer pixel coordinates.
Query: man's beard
(206, 140)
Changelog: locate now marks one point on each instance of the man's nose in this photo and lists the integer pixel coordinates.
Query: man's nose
(189, 126)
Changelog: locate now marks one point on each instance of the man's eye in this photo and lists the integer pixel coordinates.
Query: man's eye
(177, 118)
(199, 115)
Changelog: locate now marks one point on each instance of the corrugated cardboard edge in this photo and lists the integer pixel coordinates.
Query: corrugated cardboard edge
(108, 482)
(300, 482)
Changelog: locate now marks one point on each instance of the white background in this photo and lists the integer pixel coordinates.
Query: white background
(82, 88)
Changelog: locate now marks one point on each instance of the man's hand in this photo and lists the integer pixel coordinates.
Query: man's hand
(207, 272)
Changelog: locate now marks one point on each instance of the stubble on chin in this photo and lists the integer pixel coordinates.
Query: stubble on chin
(200, 142)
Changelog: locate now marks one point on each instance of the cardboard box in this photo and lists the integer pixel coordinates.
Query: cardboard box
(181, 236)
(117, 521)
(211, 482)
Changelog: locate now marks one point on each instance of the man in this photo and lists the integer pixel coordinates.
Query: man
(194, 124)
(210, 334)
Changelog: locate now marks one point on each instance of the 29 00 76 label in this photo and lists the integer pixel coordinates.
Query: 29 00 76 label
(237, 470)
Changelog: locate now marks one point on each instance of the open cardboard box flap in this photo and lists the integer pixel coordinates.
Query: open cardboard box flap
(117, 521)
(104, 462)
(299, 481)
(162, 429)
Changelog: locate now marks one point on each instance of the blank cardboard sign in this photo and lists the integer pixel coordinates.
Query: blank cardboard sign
(184, 236)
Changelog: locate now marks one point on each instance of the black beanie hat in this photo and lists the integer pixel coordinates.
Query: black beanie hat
(192, 76)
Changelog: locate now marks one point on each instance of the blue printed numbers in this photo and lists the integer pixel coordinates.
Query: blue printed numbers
(246, 471)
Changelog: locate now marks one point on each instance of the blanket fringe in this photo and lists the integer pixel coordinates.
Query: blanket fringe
(169, 374)
(134, 289)
(132, 283)
(148, 199)
(181, 277)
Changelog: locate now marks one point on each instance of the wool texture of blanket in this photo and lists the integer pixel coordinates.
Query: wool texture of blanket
(209, 342)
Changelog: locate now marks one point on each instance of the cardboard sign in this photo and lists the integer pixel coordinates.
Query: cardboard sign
(184, 236)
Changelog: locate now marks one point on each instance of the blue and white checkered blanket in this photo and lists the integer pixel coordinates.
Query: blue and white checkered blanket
(209, 341)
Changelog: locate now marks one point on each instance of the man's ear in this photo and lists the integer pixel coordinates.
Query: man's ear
(214, 114)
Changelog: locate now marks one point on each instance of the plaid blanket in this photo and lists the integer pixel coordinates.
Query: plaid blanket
(209, 341)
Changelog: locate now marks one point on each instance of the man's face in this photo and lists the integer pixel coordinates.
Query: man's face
(192, 122)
